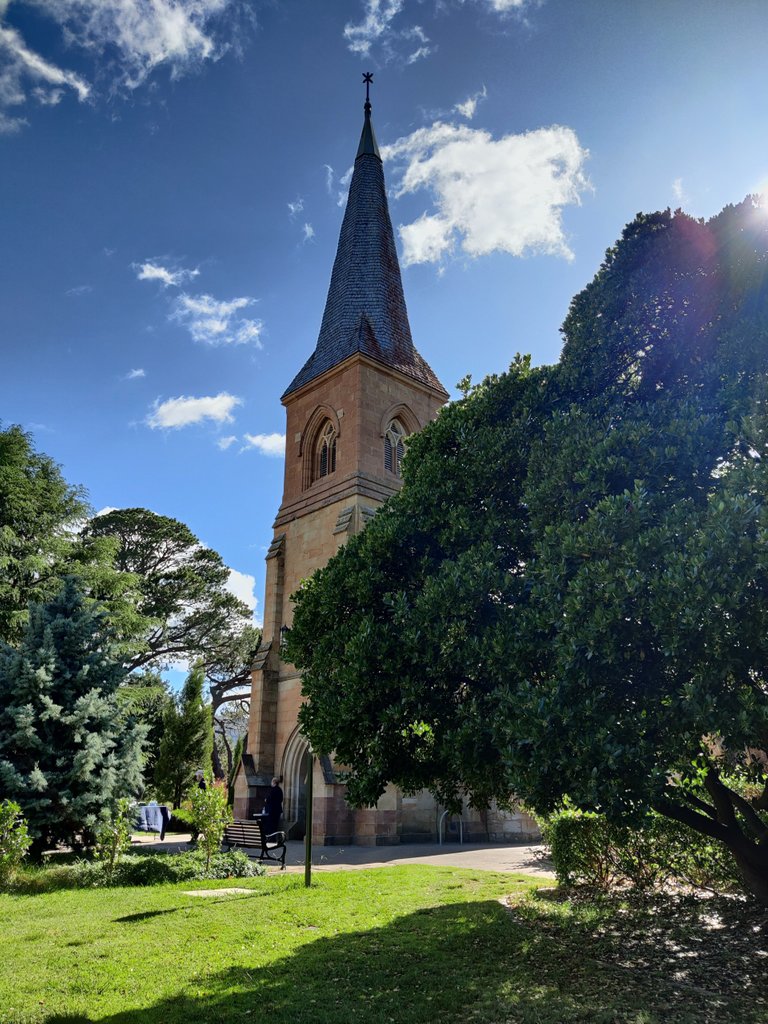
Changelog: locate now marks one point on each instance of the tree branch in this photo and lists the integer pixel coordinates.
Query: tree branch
(704, 807)
(720, 798)
(754, 822)
(760, 803)
(693, 819)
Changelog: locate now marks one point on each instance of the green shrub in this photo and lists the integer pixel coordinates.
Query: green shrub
(183, 867)
(181, 820)
(587, 849)
(113, 837)
(14, 840)
(210, 814)
(580, 848)
(138, 870)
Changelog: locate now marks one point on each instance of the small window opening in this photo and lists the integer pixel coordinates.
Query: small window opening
(326, 451)
(394, 447)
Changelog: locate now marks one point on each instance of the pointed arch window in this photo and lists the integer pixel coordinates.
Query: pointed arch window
(325, 455)
(394, 446)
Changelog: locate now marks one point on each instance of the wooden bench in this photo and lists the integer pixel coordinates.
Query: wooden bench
(251, 834)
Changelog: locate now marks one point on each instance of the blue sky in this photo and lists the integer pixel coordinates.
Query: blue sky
(170, 173)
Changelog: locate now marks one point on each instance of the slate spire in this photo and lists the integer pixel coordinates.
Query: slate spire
(365, 309)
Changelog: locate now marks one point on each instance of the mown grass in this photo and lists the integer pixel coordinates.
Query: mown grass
(408, 944)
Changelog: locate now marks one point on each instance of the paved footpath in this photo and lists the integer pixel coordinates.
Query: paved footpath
(526, 857)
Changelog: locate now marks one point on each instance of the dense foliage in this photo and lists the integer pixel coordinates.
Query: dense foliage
(14, 840)
(66, 754)
(569, 597)
(146, 697)
(40, 543)
(164, 593)
(113, 837)
(588, 849)
(210, 814)
(187, 740)
(136, 870)
(181, 589)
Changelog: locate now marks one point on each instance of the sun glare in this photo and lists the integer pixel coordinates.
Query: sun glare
(761, 191)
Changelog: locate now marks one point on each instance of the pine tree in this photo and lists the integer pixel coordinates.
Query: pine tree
(66, 753)
(145, 696)
(187, 740)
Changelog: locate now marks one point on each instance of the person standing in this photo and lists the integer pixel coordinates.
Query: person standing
(273, 806)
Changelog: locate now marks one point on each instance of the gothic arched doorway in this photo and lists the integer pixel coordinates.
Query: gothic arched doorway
(295, 766)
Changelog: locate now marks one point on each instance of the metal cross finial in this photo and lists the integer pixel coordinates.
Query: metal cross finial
(367, 78)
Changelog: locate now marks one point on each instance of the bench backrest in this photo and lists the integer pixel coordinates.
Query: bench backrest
(247, 833)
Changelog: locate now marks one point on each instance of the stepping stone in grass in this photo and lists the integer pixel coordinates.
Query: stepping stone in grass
(216, 892)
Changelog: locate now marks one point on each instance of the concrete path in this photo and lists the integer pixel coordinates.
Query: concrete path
(526, 857)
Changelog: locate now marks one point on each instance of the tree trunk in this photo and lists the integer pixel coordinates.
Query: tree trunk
(218, 771)
(753, 868)
(720, 822)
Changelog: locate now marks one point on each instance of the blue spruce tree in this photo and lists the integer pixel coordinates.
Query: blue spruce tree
(67, 754)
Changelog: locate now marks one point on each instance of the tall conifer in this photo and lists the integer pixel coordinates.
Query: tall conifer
(66, 753)
(187, 740)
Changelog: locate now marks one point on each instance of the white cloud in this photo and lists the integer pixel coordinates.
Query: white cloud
(105, 511)
(226, 442)
(184, 411)
(267, 444)
(242, 585)
(296, 207)
(126, 39)
(135, 374)
(490, 195)
(144, 35)
(309, 232)
(178, 669)
(21, 68)
(678, 191)
(46, 97)
(344, 181)
(11, 125)
(417, 33)
(151, 270)
(328, 179)
(469, 107)
(378, 15)
(507, 6)
(217, 322)
(376, 26)
(421, 52)
(81, 289)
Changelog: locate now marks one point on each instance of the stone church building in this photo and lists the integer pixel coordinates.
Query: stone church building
(362, 391)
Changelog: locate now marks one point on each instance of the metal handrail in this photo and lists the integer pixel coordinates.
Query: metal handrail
(440, 828)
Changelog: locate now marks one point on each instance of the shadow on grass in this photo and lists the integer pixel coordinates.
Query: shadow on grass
(718, 944)
(144, 916)
(469, 962)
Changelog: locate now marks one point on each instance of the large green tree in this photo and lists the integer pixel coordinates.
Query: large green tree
(228, 675)
(40, 517)
(66, 753)
(181, 590)
(182, 601)
(146, 697)
(186, 742)
(569, 597)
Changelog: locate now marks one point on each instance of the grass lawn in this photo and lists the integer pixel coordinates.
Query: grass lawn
(405, 944)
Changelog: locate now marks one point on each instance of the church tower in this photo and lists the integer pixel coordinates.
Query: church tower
(349, 409)
(363, 390)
